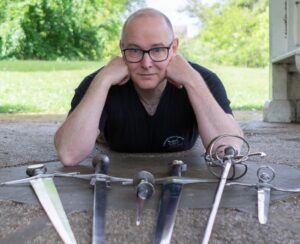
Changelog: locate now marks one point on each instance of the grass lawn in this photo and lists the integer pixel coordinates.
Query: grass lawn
(47, 86)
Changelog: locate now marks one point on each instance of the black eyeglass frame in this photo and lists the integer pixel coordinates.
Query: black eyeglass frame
(147, 51)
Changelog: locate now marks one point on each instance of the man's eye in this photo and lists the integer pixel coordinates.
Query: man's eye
(135, 50)
(156, 50)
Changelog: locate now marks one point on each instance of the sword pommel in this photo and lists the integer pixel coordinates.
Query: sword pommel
(101, 163)
(177, 167)
(36, 169)
(230, 153)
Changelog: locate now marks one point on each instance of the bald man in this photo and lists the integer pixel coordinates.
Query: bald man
(149, 100)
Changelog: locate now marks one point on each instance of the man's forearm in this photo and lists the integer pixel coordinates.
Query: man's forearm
(211, 119)
(76, 137)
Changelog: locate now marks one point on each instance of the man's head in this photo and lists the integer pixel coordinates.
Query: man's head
(148, 30)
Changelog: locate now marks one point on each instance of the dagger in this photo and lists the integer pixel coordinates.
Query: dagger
(144, 182)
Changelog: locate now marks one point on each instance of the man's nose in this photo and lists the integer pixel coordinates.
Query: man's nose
(146, 61)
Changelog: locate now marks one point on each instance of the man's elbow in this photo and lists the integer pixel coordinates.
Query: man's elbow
(67, 159)
(66, 156)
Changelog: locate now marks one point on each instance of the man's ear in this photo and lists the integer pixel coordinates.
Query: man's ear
(121, 47)
(175, 45)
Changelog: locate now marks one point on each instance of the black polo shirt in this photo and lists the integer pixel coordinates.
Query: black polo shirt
(127, 126)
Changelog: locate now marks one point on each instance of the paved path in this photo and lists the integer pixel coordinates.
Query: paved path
(29, 139)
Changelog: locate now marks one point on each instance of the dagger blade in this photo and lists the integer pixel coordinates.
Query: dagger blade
(263, 203)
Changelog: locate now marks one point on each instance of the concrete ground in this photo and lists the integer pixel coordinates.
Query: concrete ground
(28, 139)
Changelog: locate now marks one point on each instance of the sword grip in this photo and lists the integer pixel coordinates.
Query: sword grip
(177, 168)
(101, 163)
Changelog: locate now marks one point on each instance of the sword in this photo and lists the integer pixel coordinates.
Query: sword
(168, 205)
(230, 153)
(144, 182)
(100, 164)
(47, 194)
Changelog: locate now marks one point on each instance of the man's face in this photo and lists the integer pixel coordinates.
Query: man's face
(146, 32)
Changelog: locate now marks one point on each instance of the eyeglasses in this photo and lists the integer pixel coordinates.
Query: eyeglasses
(157, 54)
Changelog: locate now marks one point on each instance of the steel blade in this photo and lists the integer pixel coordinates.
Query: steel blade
(167, 212)
(216, 203)
(49, 198)
(99, 212)
(263, 202)
(100, 164)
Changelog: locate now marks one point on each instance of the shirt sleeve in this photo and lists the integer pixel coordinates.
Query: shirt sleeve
(80, 91)
(215, 86)
(79, 94)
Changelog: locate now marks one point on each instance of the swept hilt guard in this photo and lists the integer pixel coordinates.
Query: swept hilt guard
(216, 155)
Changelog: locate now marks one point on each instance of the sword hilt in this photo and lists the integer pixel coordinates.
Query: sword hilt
(101, 163)
(36, 169)
(144, 181)
(177, 168)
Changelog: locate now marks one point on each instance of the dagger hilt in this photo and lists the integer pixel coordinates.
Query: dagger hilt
(101, 163)
(36, 169)
(265, 174)
(177, 168)
(144, 182)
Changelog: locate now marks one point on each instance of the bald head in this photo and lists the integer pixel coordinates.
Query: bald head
(147, 12)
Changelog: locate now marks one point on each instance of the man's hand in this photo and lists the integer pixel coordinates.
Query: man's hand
(114, 73)
(180, 72)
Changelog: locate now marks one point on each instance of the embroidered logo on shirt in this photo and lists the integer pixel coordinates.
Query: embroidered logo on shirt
(173, 142)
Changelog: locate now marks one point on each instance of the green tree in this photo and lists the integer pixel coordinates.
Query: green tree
(61, 29)
(234, 32)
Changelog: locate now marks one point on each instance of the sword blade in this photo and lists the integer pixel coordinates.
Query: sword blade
(49, 198)
(216, 203)
(99, 212)
(263, 202)
(101, 164)
(167, 212)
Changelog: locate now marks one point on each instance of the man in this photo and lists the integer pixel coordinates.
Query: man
(148, 100)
